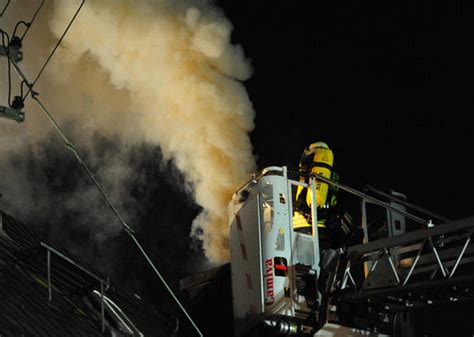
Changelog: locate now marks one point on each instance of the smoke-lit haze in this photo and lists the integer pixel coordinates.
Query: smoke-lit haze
(164, 72)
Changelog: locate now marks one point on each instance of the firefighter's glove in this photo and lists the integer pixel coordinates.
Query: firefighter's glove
(340, 225)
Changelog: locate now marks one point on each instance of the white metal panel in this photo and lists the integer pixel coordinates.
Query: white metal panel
(245, 261)
(276, 243)
(261, 216)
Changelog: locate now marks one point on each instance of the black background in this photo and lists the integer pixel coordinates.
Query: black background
(386, 85)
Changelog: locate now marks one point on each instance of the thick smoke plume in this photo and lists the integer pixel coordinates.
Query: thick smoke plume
(159, 71)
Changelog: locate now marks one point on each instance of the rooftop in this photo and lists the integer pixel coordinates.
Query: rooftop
(46, 291)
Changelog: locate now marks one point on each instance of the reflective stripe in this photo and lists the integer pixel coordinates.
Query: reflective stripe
(304, 225)
(299, 221)
(322, 223)
(348, 217)
(345, 228)
(301, 226)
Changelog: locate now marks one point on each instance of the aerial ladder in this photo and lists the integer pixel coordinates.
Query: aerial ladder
(409, 258)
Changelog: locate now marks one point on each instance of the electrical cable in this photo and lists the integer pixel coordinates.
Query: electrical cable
(32, 20)
(127, 228)
(30, 87)
(27, 24)
(5, 8)
(69, 145)
(21, 88)
(5, 44)
(17, 25)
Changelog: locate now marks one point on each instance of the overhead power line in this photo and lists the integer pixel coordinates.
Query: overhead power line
(5, 8)
(27, 24)
(70, 146)
(30, 86)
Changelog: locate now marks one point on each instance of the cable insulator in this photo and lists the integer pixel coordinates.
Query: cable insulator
(15, 42)
(17, 103)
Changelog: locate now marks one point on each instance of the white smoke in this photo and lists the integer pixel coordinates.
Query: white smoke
(161, 71)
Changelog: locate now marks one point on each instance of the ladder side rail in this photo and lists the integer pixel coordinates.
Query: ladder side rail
(370, 199)
(411, 287)
(417, 235)
(431, 261)
(408, 204)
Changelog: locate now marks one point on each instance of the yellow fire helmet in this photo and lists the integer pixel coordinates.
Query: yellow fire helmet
(318, 144)
(313, 147)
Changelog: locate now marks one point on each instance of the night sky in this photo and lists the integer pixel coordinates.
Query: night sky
(388, 86)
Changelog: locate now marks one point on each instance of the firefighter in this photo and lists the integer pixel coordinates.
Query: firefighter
(334, 224)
